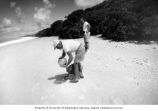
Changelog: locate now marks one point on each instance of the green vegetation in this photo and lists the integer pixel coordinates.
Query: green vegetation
(115, 19)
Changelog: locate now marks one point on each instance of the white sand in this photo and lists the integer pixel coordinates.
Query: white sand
(115, 73)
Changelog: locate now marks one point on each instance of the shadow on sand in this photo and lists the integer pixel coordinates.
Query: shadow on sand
(59, 79)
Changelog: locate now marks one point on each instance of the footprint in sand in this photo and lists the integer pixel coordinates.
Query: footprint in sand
(140, 61)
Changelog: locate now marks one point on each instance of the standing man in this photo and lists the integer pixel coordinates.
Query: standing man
(86, 29)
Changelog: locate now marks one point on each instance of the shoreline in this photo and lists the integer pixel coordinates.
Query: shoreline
(18, 40)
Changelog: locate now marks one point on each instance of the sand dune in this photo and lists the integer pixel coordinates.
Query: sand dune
(115, 73)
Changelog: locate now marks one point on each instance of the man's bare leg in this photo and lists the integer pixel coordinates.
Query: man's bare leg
(76, 68)
(80, 70)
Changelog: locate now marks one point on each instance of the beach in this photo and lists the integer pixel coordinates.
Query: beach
(116, 73)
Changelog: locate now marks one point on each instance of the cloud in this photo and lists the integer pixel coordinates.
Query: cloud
(12, 4)
(87, 3)
(18, 11)
(47, 3)
(19, 14)
(7, 26)
(42, 14)
(6, 23)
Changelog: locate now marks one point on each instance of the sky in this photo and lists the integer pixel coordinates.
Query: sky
(30, 15)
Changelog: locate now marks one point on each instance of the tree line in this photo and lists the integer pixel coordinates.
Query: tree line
(117, 20)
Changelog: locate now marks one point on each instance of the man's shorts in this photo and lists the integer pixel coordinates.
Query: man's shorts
(80, 53)
(87, 34)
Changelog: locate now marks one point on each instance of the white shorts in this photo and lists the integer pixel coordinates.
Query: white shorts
(80, 53)
(87, 34)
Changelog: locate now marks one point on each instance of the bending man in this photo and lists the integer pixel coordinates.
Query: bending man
(72, 46)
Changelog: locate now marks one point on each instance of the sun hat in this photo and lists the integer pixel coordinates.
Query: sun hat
(55, 43)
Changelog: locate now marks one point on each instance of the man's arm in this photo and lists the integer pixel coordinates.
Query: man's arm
(70, 58)
(86, 30)
(63, 55)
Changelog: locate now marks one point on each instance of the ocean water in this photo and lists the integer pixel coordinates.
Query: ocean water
(9, 38)
(18, 40)
(5, 37)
